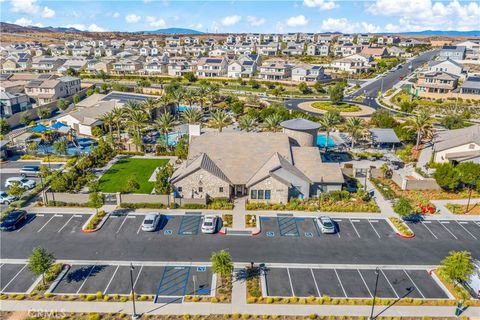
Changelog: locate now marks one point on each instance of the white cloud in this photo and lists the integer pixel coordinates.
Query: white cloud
(154, 22)
(27, 22)
(255, 21)
(94, 28)
(132, 18)
(321, 4)
(80, 26)
(196, 26)
(116, 15)
(31, 7)
(347, 26)
(229, 21)
(416, 15)
(297, 21)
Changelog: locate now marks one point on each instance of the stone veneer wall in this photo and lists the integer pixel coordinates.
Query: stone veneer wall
(211, 185)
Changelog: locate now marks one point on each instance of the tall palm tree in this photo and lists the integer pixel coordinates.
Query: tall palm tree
(219, 119)
(149, 105)
(421, 123)
(328, 122)
(354, 127)
(132, 104)
(119, 118)
(137, 118)
(192, 116)
(247, 123)
(164, 124)
(108, 120)
(272, 122)
(190, 96)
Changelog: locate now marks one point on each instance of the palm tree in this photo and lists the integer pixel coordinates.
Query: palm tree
(137, 118)
(192, 116)
(132, 104)
(272, 122)
(164, 124)
(108, 120)
(119, 117)
(421, 123)
(354, 126)
(149, 105)
(190, 96)
(247, 123)
(328, 122)
(219, 119)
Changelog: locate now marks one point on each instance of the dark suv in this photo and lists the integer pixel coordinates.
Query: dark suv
(11, 221)
(30, 171)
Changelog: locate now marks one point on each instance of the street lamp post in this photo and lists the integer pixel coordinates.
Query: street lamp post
(377, 272)
(134, 314)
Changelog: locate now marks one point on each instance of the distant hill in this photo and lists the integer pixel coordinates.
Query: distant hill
(60, 29)
(173, 31)
(473, 33)
(14, 28)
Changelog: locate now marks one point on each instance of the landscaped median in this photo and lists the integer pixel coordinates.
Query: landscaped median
(342, 107)
(95, 222)
(400, 227)
(474, 209)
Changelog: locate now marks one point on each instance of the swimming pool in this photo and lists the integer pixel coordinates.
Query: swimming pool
(83, 146)
(321, 141)
(173, 138)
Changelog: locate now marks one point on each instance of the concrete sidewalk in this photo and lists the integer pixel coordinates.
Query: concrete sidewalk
(240, 307)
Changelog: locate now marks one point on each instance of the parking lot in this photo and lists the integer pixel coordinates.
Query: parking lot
(351, 283)
(53, 223)
(17, 278)
(446, 229)
(289, 226)
(159, 281)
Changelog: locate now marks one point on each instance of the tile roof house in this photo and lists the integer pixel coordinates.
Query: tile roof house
(308, 73)
(275, 69)
(270, 167)
(458, 145)
(471, 86)
(448, 65)
(436, 82)
(212, 67)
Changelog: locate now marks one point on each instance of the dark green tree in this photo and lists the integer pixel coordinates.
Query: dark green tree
(222, 263)
(336, 93)
(446, 176)
(162, 181)
(40, 261)
(457, 266)
(469, 174)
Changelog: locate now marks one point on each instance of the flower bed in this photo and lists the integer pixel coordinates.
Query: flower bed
(250, 220)
(343, 107)
(402, 229)
(227, 220)
(456, 290)
(461, 209)
(95, 221)
(384, 189)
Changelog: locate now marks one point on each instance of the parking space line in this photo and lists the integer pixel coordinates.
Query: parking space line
(121, 225)
(433, 234)
(16, 275)
(389, 283)
(86, 278)
(414, 283)
(46, 223)
(136, 279)
(373, 227)
(442, 224)
(315, 281)
(351, 222)
(65, 224)
(459, 223)
(365, 283)
(290, 279)
(110, 281)
(341, 285)
(139, 228)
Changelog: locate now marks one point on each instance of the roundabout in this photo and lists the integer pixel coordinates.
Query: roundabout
(322, 107)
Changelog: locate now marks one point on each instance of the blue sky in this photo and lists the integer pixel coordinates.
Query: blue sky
(247, 16)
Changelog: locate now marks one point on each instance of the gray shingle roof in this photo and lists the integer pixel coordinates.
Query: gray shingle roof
(452, 138)
(387, 135)
(300, 124)
(201, 162)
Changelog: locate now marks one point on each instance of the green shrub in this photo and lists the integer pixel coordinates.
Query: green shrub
(91, 297)
(193, 206)
(93, 316)
(142, 205)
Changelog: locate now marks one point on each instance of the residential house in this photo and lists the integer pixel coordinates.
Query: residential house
(212, 67)
(82, 51)
(173, 41)
(270, 49)
(355, 63)
(452, 52)
(126, 66)
(345, 39)
(459, 145)
(436, 82)
(449, 66)
(290, 37)
(471, 86)
(308, 73)
(347, 49)
(374, 51)
(42, 64)
(315, 49)
(264, 166)
(244, 67)
(293, 49)
(11, 103)
(395, 52)
(275, 69)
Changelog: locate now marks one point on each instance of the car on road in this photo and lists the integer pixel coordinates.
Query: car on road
(5, 198)
(326, 224)
(30, 171)
(150, 222)
(23, 182)
(11, 221)
(209, 224)
(399, 67)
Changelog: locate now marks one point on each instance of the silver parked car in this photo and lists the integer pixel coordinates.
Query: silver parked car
(209, 224)
(150, 222)
(5, 198)
(23, 182)
(326, 224)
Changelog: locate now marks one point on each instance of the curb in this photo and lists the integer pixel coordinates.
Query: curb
(405, 236)
(398, 233)
(65, 269)
(99, 226)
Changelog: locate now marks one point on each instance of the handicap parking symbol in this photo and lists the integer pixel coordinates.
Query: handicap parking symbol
(308, 234)
(201, 269)
(168, 232)
(270, 234)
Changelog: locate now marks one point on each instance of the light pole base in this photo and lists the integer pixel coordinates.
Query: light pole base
(135, 316)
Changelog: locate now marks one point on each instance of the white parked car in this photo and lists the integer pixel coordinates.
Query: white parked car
(150, 222)
(209, 224)
(326, 224)
(23, 182)
(5, 198)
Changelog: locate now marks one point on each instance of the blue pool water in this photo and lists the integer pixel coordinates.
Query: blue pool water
(83, 146)
(173, 138)
(321, 141)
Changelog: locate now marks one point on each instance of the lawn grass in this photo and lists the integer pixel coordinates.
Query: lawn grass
(115, 179)
(342, 107)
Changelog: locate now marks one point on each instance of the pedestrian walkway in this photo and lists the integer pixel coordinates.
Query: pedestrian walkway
(444, 213)
(385, 206)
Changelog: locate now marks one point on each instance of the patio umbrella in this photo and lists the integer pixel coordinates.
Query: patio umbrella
(40, 128)
(58, 125)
